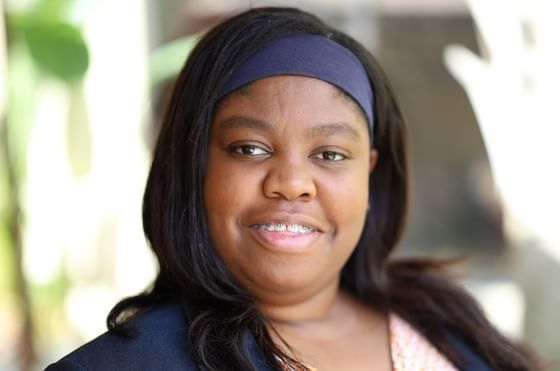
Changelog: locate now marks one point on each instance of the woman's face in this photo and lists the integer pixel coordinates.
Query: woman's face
(286, 188)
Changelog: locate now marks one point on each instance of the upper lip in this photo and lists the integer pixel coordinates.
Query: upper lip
(288, 218)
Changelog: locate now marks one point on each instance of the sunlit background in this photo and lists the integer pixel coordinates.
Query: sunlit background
(82, 84)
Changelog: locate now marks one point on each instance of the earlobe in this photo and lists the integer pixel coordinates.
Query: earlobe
(373, 155)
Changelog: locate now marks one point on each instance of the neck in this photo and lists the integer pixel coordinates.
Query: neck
(316, 307)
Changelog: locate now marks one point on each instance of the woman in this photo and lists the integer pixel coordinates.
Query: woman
(277, 193)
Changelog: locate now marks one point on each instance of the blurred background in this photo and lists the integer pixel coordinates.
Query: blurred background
(81, 88)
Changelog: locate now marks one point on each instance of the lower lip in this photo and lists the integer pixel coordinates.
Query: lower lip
(286, 241)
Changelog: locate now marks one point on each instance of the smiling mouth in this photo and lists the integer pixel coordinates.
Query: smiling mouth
(285, 237)
(284, 227)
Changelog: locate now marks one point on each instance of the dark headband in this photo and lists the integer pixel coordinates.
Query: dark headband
(308, 55)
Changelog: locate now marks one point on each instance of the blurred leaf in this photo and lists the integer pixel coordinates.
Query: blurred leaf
(6, 260)
(4, 188)
(78, 132)
(72, 11)
(57, 47)
(22, 87)
(167, 60)
(53, 9)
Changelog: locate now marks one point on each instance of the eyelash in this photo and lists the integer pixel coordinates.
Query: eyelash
(245, 149)
(322, 154)
(239, 149)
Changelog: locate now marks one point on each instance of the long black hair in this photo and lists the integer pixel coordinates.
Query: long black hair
(223, 316)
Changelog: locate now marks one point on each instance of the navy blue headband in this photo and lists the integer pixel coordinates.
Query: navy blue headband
(308, 55)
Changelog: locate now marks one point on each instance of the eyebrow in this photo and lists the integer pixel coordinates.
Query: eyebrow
(244, 122)
(319, 130)
(335, 128)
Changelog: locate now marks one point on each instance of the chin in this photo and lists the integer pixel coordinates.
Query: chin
(285, 280)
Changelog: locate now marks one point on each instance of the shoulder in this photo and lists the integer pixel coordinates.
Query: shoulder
(161, 344)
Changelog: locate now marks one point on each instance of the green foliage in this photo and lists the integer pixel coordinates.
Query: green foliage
(167, 60)
(54, 9)
(4, 195)
(57, 47)
(7, 285)
(41, 42)
(22, 89)
(51, 293)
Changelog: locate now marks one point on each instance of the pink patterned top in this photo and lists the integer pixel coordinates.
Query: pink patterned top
(410, 351)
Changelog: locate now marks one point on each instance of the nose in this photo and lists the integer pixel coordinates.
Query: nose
(290, 181)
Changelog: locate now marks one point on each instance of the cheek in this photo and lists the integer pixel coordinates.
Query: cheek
(227, 194)
(222, 198)
(346, 204)
(347, 198)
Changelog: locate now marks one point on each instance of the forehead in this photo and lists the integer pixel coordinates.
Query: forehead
(289, 97)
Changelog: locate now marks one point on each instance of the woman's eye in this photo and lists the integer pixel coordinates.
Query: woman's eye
(330, 156)
(249, 150)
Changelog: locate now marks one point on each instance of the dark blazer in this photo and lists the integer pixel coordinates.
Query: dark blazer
(162, 345)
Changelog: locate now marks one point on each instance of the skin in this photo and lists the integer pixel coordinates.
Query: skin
(295, 150)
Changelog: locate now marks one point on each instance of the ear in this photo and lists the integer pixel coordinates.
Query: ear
(373, 155)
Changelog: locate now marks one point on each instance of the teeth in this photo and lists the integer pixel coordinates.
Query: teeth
(282, 227)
